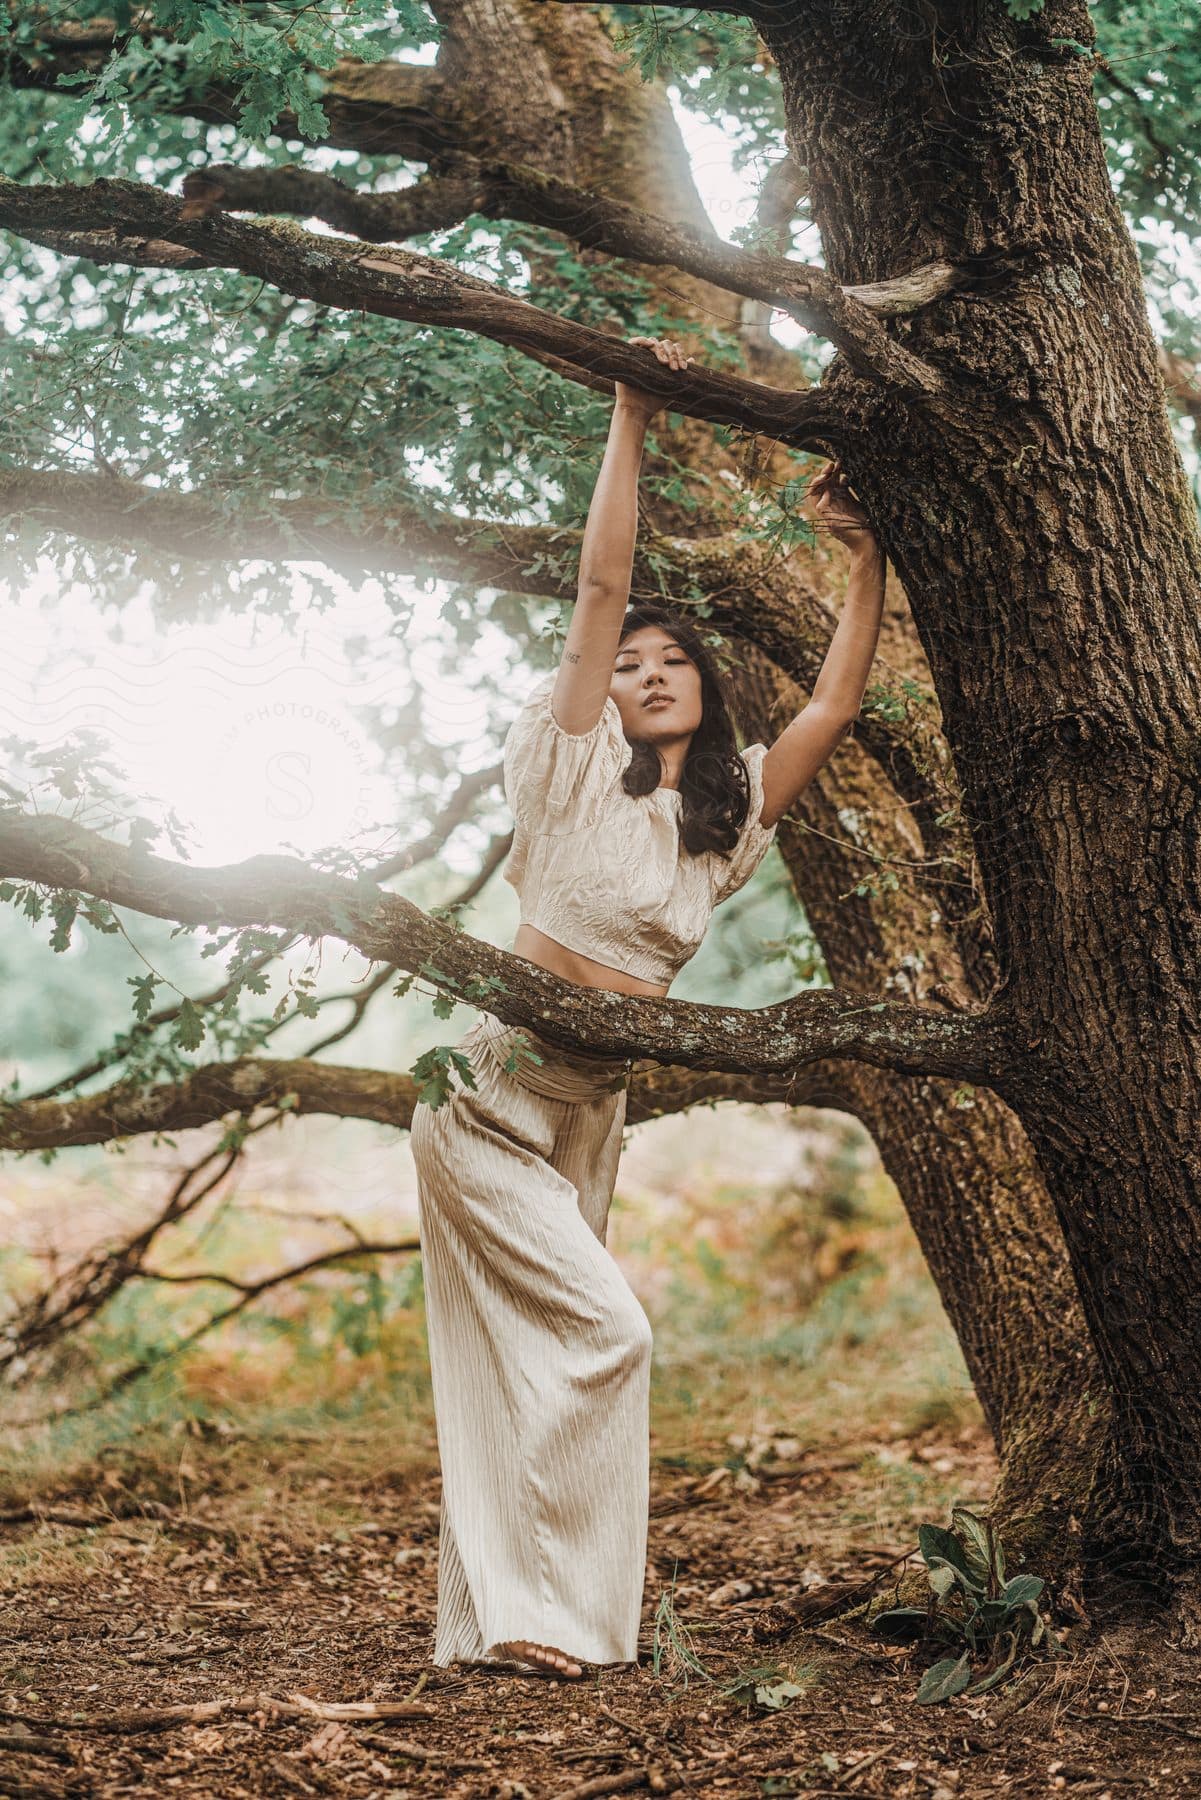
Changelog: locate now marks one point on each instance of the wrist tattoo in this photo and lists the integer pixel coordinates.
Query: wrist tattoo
(571, 656)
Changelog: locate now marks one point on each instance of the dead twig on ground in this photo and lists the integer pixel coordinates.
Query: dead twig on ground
(376, 1740)
(114, 1515)
(620, 1783)
(29, 1745)
(262, 1708)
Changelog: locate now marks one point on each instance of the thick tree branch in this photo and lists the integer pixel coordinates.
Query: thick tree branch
(381, 1096)
(433, 204)
(739, 577)
(421, 289)
(402, 541)
(456, 810)
(284, 892)
(508, 190)
(107, 248)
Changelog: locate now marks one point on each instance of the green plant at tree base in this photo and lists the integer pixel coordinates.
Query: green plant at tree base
(971, 1604)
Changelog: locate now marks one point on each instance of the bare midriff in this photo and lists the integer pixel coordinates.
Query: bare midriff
(536, 947)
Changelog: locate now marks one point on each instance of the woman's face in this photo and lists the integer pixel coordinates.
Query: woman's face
(650, 663)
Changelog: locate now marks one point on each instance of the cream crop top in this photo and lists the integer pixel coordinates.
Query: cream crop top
(604, 872)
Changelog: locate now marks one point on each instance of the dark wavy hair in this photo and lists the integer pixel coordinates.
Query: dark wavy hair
(714, 787)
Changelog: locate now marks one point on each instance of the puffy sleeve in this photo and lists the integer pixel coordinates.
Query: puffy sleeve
(555, 779)
(755, 840)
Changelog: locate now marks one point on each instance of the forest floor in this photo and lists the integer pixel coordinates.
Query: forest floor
(199, 1570)
(200, 1638)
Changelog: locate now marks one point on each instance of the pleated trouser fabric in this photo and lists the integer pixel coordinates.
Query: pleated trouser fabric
(539, 1357)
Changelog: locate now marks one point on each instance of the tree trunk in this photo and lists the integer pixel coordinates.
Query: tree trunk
(961, 1163)
(1040, 520)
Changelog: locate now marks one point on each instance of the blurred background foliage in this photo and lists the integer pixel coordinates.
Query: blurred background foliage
(787, 1292)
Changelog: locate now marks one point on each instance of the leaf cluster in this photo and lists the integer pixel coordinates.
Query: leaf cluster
(724, 71)
(433, 1069)
(268, 57)
(973, 1605)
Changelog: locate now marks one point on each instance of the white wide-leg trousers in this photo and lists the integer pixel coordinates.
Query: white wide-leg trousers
(539, 1357)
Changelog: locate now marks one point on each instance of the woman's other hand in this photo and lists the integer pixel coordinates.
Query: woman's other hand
(838, 510)
(635, 399)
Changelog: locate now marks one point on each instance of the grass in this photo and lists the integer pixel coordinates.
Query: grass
(673, 1654)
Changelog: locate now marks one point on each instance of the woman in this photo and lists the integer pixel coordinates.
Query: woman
(635, 816)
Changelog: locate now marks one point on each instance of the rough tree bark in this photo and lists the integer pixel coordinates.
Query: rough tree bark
(1040, 520)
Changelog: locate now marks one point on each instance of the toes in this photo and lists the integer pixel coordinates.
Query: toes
(543, 1656)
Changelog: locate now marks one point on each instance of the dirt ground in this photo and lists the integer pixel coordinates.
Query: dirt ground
(227, 1604)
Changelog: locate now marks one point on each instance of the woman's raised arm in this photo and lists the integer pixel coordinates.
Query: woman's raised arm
(808, 743)
(607, 555)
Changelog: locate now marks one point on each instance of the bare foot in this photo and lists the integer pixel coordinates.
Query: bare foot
(542, 1656)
